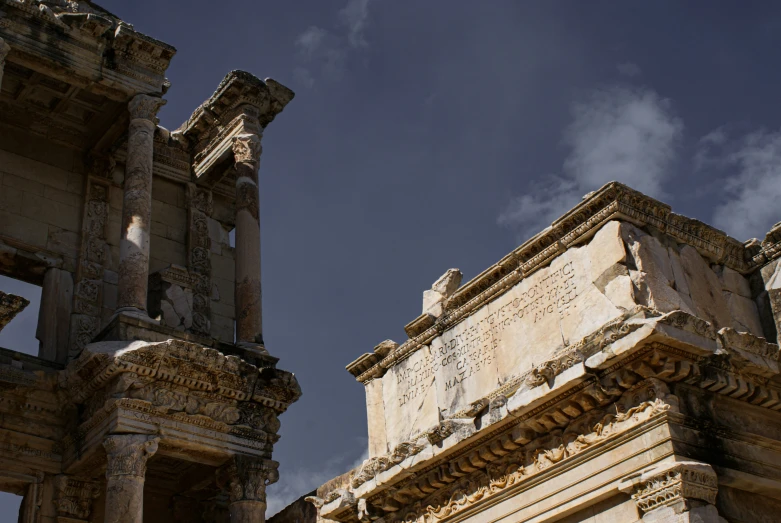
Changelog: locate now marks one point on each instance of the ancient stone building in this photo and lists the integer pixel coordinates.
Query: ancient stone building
(622, 365)
(142, 402)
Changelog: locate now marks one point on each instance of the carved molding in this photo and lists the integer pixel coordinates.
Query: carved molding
(673, 484)
(247, 148)
(733, 371)
(73, 497)
(486, 469)
(127, 454)
(145, 107)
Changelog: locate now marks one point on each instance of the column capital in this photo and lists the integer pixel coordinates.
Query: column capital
(247, 148)
(73, 497)
(145, 107)
(672, 485)
(128, 453)
(248, 478)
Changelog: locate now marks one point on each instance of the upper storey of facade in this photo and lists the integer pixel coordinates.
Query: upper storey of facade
(74, 80)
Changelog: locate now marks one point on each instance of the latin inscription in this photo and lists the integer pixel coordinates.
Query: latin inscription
(467, 351)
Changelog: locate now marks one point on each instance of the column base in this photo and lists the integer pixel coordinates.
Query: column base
(253, 348)
(134, 312)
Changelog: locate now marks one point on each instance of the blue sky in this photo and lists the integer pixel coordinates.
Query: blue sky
(430, 135)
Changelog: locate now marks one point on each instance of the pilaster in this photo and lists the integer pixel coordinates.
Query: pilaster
(249, 327)
(137, 207)
(127, 455)
(199, 209)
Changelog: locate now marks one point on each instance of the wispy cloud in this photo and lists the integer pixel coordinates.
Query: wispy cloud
(324, 53)
(753, 191)
(618, 133)
(629, 69)
(310, 41)
(355, 15)
(295, 483)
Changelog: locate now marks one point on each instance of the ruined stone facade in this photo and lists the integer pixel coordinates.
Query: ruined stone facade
(620, 366)
(141, 404)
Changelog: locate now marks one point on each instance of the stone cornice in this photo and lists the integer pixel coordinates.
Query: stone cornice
(238, 88)
(100, 50)
(612, 201)
(643, 351)
(184, 364)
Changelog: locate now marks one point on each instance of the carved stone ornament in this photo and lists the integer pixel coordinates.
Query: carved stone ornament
(145, 107)
(673, 485)
(247, 148)
(248, 478)
(127, 454)
(74, 496)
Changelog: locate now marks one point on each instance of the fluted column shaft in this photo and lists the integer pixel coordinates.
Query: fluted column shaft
(137, 206)
(248, 480)
(127, 456)
(248, 297)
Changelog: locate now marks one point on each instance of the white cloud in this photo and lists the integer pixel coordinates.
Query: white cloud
(355, 15)
(629, 69)
(619, 133)
(324, 53)
(754, 190)
(310, 41)
(295, 483)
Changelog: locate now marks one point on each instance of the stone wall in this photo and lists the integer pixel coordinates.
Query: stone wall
(41, 205)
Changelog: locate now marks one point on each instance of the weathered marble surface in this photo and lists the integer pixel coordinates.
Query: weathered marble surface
(550, 310)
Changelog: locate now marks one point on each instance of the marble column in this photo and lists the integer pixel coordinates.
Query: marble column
(248, 297)
(4, 49)
(249, 478)
(137, 207)
(127, 455)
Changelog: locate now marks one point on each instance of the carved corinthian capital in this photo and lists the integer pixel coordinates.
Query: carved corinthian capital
(248, 478)
(127, 454)
(247, 148)
(73, 496)
(145, 107)
(672, 485)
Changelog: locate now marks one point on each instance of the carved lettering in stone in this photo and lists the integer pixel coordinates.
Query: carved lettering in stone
(127, 454)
